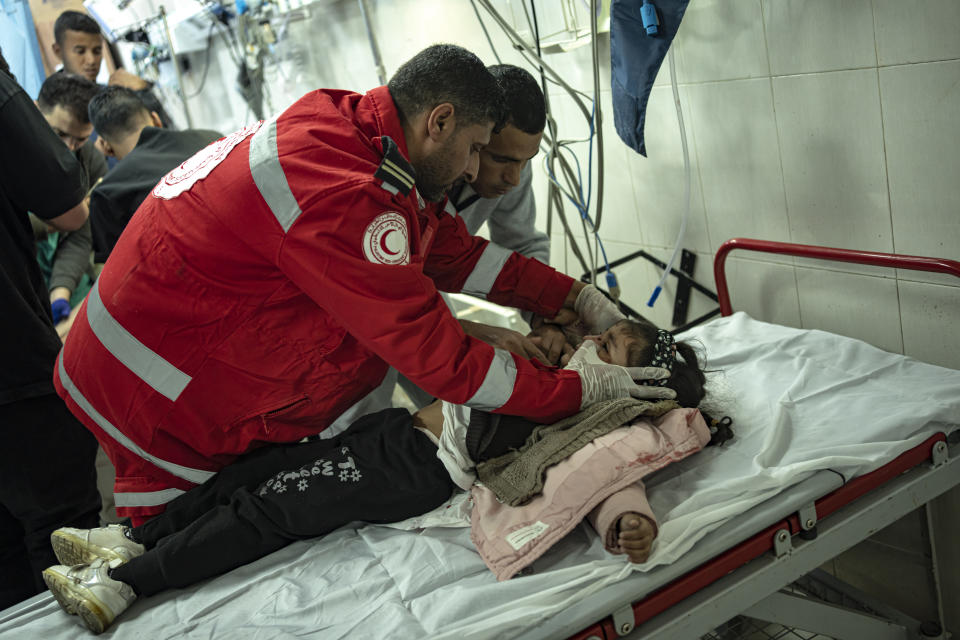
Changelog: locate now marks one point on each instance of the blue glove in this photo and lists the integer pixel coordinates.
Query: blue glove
(60, 309)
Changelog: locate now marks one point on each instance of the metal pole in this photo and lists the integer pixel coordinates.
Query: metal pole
(176, 67)
(377, 60)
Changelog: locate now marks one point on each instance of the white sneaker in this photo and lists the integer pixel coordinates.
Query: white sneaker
(83, 546)
(88, 591)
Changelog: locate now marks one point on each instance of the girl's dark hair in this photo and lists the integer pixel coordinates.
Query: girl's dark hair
(687, 379)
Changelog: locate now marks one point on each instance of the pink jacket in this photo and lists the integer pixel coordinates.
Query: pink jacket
(601, 481)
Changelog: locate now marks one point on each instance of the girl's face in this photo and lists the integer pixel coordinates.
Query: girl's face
(612, 346)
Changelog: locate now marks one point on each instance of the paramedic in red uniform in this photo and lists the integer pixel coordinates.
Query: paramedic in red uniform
(265, 284)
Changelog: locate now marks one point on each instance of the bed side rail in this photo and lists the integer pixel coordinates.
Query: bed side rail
(765, 541)
(898, 261)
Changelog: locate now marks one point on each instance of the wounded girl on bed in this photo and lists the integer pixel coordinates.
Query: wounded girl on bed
(379, 470)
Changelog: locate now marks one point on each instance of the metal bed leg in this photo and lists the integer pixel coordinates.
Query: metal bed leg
(928, 508)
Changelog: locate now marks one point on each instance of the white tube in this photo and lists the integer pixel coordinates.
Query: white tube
(686, 184)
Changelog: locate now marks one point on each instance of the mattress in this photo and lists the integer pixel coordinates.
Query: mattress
(806, 404)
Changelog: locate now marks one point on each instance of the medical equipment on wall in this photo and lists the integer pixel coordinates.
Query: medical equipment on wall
(172, 32)
(558, 154)
(565, 33)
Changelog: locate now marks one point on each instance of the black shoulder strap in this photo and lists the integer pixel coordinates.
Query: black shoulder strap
(394, 170)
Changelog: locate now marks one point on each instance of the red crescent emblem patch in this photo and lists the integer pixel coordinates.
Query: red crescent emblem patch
(386, 240)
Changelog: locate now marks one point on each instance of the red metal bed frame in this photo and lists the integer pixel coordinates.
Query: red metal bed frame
(763, 542)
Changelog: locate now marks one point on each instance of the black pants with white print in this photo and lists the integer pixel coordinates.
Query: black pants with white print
(381, 469)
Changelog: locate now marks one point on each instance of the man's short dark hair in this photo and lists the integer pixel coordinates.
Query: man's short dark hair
(68, 90)
(448, 73)
(116, 111)
(523, 99)
(74, 21)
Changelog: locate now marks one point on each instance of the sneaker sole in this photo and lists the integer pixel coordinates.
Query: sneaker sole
(74, 601)
(72, 550)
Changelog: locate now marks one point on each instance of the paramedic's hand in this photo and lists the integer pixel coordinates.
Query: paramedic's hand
(596, 311)
(512, 341)
(610, 381)
(552, 341)
(124, 78)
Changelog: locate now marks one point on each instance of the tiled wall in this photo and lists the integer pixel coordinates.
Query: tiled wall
(809, 121)
(812, 122)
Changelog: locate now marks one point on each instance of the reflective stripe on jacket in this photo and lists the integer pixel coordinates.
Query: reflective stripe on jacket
(264, 285)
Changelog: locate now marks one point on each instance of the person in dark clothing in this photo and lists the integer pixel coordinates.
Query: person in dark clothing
(47, 474)
(65, 257)
(134, 135)
(79, 45)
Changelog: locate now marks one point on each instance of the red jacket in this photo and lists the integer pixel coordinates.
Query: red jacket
(265, 284)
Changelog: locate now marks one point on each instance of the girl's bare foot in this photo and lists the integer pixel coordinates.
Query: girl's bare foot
(636, 536)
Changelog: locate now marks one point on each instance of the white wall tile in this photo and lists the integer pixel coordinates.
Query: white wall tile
(576, 66)
(806, 36)
(540, 184)
(766, 291)
(931, 315)
(721, 40)
(831, 142)
(619, 218)
(922, 132)
(912, 32)
(859, 306)
(658, 179)
(739, 159)
(558, 254)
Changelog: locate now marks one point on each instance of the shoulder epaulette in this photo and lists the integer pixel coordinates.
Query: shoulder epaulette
(394, 172)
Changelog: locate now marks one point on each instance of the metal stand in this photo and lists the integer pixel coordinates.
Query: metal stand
(176, 66)
(685, 280)
(374, 47)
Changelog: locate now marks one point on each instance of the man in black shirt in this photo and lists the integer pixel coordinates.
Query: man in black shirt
(65, 257)
(132, 133)
(47, 474)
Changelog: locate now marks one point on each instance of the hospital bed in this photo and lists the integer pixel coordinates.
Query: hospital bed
(835, 440)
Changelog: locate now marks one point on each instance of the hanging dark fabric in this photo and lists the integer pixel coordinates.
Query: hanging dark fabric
(635, 59)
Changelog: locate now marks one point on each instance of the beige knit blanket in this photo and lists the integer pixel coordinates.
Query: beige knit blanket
(517, 476)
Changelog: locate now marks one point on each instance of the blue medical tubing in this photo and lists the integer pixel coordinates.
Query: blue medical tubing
(583, 205)
(648, 13)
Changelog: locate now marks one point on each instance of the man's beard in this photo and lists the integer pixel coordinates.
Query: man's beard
(434, 177)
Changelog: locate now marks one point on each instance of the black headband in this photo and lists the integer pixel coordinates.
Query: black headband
(664, 356)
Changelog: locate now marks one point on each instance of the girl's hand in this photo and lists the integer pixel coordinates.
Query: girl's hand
(636, 537)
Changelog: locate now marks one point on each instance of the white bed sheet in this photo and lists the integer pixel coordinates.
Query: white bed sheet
(801, 400)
